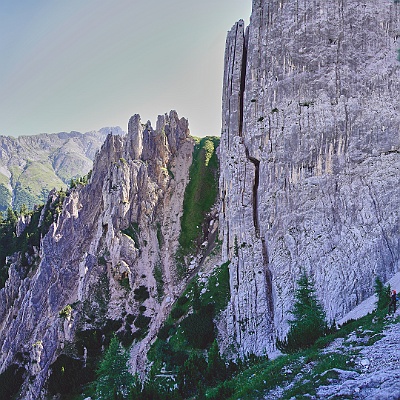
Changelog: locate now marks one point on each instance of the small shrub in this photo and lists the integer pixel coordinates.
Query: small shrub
(142, 309)
(66, 312)
(124, 282)
(141, 293)
(182, 300)
(223, 391)
(191, 374)
(177, 312)
(199, 327)
(101, 260)
(142, 322)
(165, 331)
(133, 232)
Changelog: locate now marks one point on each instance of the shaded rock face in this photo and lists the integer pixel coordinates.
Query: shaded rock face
(110, 237)
(310, 159)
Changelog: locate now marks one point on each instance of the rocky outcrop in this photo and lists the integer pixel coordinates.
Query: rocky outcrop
(310, 159)
(98, 261)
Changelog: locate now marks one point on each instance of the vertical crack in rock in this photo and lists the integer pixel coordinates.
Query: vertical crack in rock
(242, 84)
(256, 164)
(268, 285)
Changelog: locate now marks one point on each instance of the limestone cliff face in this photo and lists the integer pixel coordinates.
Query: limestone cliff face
(310, 158)
(112, 234)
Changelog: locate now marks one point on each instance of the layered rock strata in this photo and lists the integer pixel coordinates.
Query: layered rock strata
(310, 159)
(112, 234)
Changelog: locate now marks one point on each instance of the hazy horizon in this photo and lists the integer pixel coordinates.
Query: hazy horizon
(83, 65)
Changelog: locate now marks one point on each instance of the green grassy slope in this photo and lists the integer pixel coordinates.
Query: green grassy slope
(200, 195)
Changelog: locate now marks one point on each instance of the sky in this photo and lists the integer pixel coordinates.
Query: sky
(80, 65)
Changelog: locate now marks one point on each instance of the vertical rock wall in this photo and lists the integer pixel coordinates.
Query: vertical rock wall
(310, 158)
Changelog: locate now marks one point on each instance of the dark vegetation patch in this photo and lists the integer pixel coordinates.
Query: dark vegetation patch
(5, 198)
(30, 238)
(158, 276)
(133, 232)
(68, 375)
(199, 328)
(141, 293)
(24, 196)
(160, 238)
(80, 181)
(190, 329)
(124, 282)
(11, 381)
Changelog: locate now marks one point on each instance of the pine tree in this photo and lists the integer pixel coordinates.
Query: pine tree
(309, 319)
(216, 368)
(383, 294)
(23, 210)
(113, 378)
(191, 375)
(11, 216)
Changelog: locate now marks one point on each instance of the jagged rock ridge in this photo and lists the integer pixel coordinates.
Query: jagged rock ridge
(110, 236)
(310, 160)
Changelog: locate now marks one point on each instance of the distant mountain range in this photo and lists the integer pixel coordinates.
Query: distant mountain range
(30, 166)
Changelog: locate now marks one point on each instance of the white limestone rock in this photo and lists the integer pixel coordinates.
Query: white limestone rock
(310, 159)
(86, 254)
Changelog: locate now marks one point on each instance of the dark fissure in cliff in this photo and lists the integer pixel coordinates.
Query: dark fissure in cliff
(242, 85)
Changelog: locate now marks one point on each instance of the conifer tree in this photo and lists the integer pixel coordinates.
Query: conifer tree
(113, 378)
(216, 368)
(11, 216)
(23, 210)
(383, 294)
(191, 375)
(309, 319)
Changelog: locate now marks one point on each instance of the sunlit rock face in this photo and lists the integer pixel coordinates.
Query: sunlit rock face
(310, 159)
(110, 238)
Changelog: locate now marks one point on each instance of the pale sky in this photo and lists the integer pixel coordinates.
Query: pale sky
(85, 64)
